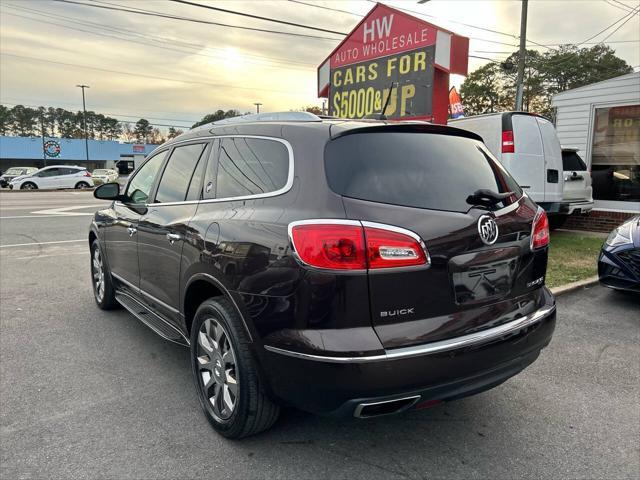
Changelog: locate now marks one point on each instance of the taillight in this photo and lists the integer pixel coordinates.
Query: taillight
(540, 230)
(87, 174)
(508, 145)
(389, 248)
(352, 245)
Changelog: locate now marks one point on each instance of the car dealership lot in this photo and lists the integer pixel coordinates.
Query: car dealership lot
(87, 393)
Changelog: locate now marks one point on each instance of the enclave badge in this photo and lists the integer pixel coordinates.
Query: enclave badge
(487, 229)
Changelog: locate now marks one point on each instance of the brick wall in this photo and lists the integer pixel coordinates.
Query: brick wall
(596, 221)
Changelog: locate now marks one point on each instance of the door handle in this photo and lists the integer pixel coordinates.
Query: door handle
(173, 237)
(132, 231)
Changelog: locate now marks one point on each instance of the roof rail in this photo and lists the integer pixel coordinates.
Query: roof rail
(271, 117)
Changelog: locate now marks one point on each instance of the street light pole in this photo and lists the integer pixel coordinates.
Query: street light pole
(257, 104)
(522, 54)
(84, 110)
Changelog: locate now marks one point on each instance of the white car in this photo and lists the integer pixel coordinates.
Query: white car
(104, 175)
(55, 176)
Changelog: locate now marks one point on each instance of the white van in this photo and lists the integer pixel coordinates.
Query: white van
(527, 145)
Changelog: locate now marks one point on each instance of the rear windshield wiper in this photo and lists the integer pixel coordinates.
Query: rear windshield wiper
(487, 198)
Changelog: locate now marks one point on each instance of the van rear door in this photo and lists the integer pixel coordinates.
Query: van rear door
(527, 162)
(577, 180)
(552, 161)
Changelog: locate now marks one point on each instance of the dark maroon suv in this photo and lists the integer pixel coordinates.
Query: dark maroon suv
(348, 268)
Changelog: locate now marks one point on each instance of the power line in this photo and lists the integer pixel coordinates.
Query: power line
(258, 17)
(196, 82)
(621, 5)
(326, 8)
(154, 38)
(130, 40)
(194, 20)
(629, 15)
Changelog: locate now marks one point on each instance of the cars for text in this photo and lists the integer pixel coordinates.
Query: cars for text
(346, 268)
(54, 177)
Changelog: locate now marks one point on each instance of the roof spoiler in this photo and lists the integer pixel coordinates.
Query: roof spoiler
(422, 127)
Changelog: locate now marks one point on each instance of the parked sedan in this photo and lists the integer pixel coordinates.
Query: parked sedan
(104, 175)
(14, 172)
(619, 262)
(56, 176)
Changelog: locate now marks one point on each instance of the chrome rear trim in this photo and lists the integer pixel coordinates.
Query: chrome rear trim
(471, 339)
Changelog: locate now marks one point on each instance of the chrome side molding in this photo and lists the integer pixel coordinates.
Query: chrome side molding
(471, 339)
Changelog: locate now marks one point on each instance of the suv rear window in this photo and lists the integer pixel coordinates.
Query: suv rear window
(572, 161)
(422, 170)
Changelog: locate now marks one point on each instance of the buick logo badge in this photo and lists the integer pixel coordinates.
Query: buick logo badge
(488, 229)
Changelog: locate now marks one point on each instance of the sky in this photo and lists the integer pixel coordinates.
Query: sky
(174, 72)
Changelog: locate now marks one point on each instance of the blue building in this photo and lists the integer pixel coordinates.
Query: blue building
(36, 152)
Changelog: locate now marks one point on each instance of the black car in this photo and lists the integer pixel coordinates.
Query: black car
(619, 261)
(346, 268)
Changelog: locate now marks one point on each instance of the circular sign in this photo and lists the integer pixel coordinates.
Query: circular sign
(52, 148)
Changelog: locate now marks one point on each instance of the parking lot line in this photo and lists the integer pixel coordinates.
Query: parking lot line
(42, 243)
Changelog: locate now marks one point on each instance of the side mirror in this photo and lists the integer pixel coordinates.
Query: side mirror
(108, 191)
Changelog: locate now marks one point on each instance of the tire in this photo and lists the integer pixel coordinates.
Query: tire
(28, 186)
(251, 410)
(105, 296)
(81, 185)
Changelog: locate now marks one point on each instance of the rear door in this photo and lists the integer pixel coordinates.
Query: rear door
(421, 182)
(163, 228)
(527, 163)
(554, 180)
(577, 180)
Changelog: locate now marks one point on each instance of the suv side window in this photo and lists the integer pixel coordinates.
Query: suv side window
(140, 185)
(178, 173)
(251, 166)
(69, 171)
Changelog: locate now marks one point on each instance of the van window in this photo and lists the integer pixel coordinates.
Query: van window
(420, 170)
(178, 172)
(526, 135)
(251, 166)
(572, 161)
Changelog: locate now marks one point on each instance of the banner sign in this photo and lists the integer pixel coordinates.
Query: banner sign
(359, 90)
(455, 104)
(51, 148)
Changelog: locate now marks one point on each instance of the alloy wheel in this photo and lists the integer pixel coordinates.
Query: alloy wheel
(98, 274)
(216, 362)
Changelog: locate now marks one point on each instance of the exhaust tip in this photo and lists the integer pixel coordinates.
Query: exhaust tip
(387, 407)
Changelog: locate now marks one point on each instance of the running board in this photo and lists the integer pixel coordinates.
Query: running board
(151, 319)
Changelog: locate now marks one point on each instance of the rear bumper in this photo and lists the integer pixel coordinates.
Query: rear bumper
(436, 371)
(567, 207)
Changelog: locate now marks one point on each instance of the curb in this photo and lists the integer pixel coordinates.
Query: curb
(570, 287)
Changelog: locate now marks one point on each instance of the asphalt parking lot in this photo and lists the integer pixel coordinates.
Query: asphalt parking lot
(92, 394)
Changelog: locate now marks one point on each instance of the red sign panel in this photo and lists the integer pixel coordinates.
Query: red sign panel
(138, 149)
(383, 33)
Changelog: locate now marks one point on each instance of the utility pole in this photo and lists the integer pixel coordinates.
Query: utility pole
(84, 109)
(257, 104)
(522, 54)
(44, 153)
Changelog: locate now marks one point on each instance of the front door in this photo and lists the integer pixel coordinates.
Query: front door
(121, 236)
(49, 178)
(163, 228)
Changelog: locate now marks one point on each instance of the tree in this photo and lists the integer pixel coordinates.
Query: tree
(491, 87)
(113, 128)
(143, 130)
(214, 117)
(174, 132)
(24, 121)
(5, 120)
(156, 137)
(313, 109)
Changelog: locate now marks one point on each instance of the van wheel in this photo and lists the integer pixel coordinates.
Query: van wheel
(28, 186)
(81, 185)
(225, 374)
